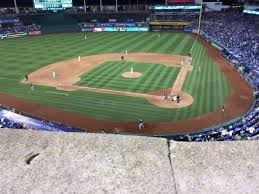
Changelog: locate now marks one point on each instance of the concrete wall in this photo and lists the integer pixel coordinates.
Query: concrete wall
(96, 163)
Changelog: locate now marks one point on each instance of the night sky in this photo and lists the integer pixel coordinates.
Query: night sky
(28, 3)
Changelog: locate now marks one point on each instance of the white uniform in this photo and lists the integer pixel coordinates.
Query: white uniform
(54, 75)
(79, 58)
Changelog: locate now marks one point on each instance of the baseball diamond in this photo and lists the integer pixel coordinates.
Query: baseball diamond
(97, 93)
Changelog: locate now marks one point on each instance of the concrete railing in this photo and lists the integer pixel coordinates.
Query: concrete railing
(42, 162)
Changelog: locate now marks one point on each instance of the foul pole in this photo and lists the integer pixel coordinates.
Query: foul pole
(199, 27)
(200, 17)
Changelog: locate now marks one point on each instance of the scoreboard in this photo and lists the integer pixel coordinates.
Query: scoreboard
(52, 4)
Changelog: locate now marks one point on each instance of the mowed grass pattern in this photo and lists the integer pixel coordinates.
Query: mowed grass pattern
(108, 76)
(21, 56)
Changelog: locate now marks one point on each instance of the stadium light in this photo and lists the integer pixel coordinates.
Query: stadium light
(85, 6)
(16, 8)
(101, 5)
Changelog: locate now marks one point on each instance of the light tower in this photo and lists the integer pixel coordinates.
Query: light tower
(15, 6)
(85, 6)
(101, 5)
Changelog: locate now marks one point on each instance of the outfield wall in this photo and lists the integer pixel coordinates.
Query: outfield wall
(42, 162)
(19, 34)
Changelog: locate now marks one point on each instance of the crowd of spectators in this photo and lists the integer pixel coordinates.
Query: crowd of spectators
(246, 128)
(6, 123)
(239, 34)
(10, 24)
(19, 29)
(177, 17)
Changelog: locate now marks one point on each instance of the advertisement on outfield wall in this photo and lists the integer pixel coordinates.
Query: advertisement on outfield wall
(97, 29)
(126, 29)
(120, 29)
(13, 35)
(34, 33)
(87, 29)
(8, 21)
(181, 1)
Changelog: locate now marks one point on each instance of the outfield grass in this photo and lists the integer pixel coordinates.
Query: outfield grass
(22, 56)
(108, 76)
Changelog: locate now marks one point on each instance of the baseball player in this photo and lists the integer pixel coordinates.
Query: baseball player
(140, 124)
(31, 87)
(26, 77)
(54, 75)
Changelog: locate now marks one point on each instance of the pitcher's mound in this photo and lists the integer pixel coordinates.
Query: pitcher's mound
(131, 74)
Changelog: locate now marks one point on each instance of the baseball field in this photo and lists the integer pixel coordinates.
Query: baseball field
(92, 87)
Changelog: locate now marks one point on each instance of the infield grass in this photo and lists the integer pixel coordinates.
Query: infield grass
(108, 76)
(208, 87)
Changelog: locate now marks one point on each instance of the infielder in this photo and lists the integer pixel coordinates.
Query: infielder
(54, 75)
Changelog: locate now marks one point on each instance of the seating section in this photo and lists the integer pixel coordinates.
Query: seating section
(243, 129)
(11, 24)
(238, 33)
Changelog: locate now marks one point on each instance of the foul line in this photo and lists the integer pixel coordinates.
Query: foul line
(7, 78)
(59, 93)
(193, 44)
